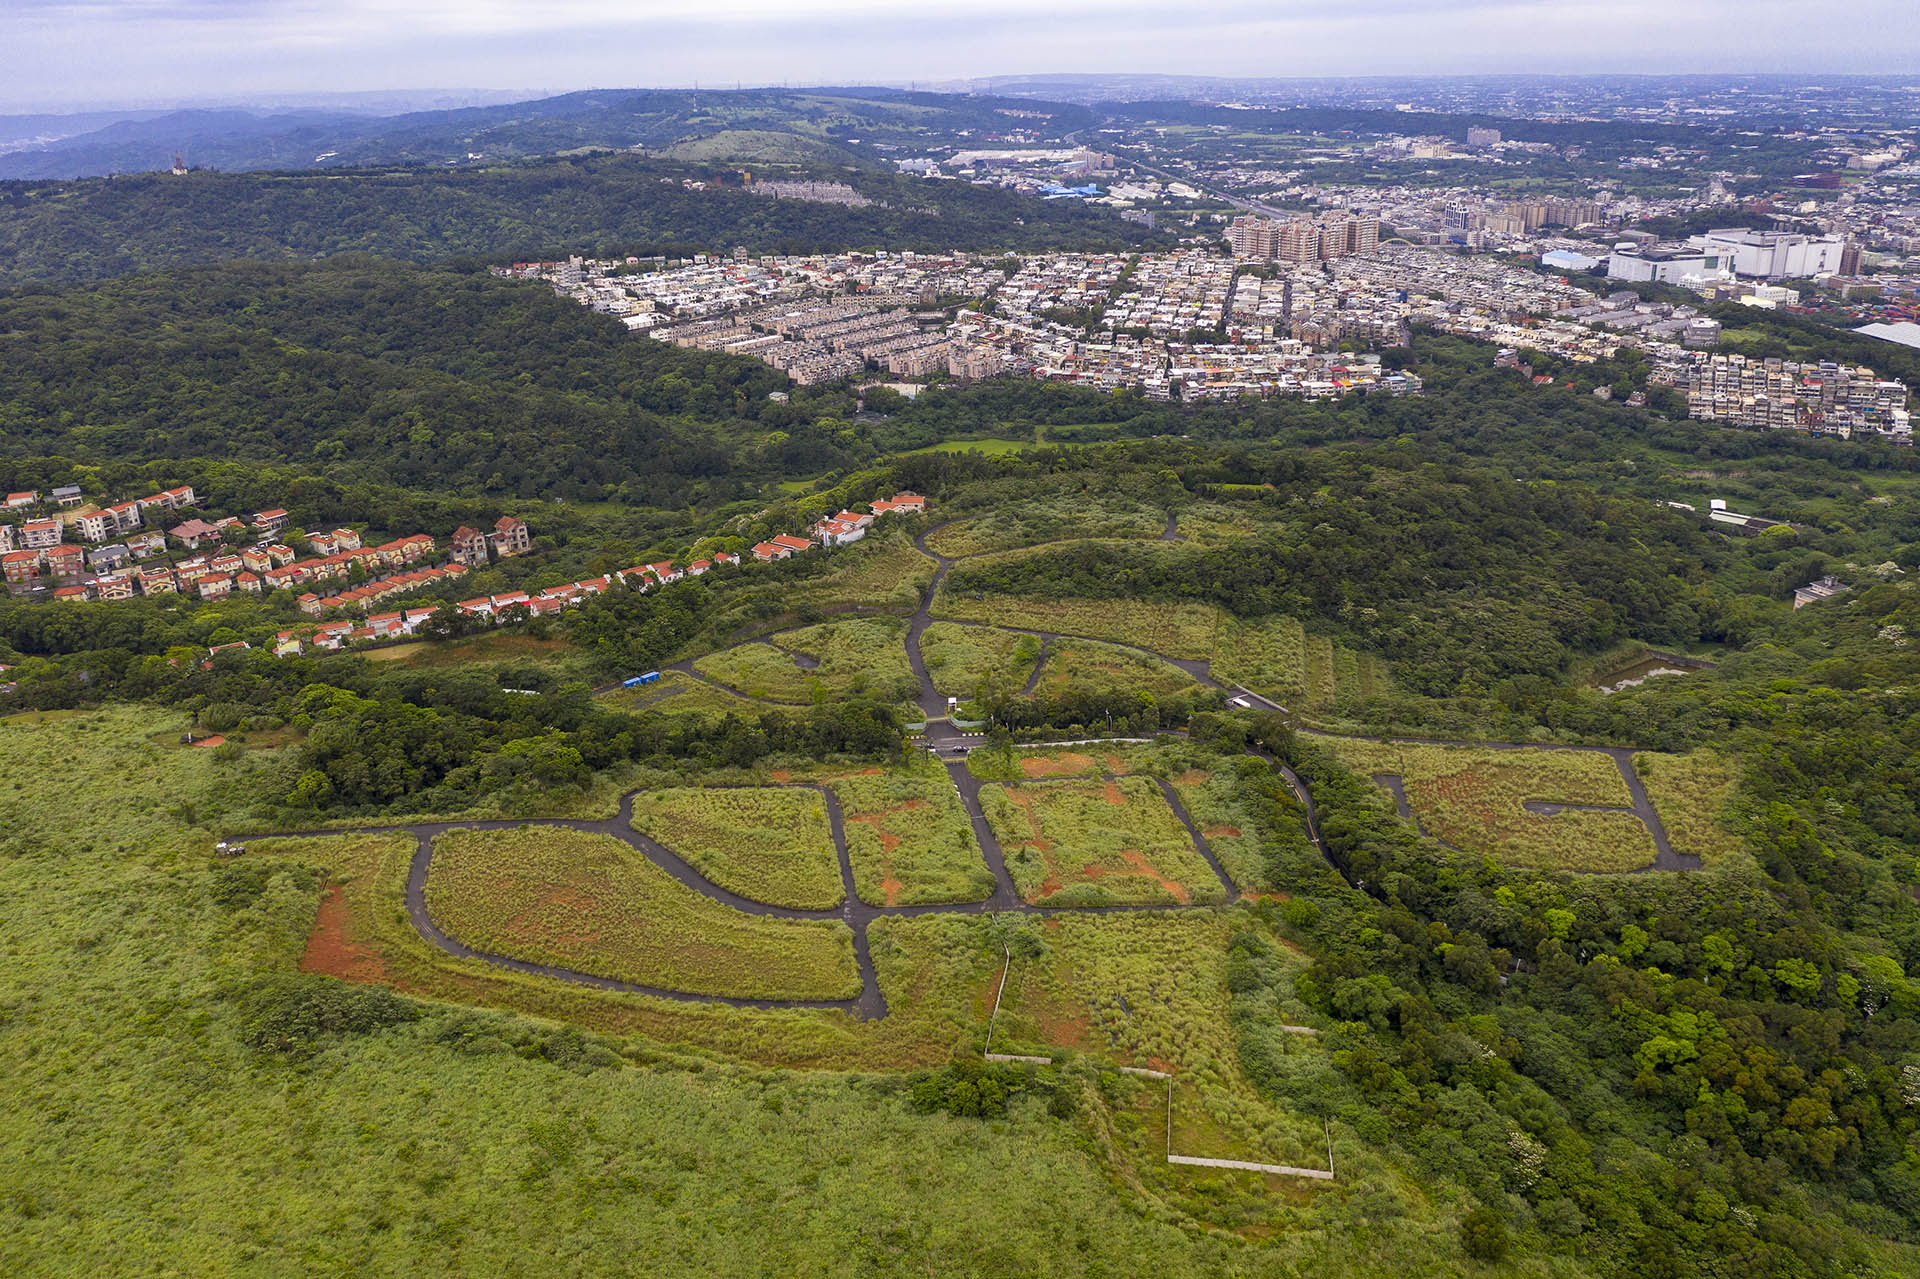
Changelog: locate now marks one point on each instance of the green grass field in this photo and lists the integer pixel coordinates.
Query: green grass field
(768, 844)
(678, 694)
(848, 656)
(591, 903)
(1691, 793)
(870, 575)
(909, 839)
(1273, 656)
(1084, 842)
(958, 658)
(1031, 522)
(1471, 797)
(1208, 796)
(1078, 663)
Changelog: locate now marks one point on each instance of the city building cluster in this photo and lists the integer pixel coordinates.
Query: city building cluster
(1338, 235)
(1187, 324)
(1825, 398)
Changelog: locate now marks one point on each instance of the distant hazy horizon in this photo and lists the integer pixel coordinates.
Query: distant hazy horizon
(78, 55)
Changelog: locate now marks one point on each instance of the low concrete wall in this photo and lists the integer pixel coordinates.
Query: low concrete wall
(1319, 1174)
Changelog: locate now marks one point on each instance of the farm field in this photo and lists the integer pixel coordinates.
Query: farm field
(959, 657)
(1471, 797)
(767, 844)
(909, 839)
(503, 646)
(858, 655)
(590, 902)
(1087, 842)
(1691, 793)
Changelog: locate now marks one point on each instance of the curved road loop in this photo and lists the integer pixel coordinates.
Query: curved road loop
(949, 744)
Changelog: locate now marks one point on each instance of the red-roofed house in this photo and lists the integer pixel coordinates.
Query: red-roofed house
(66, 561)
(192, 533)
(21, 566)
(469, 546)
(511, 536)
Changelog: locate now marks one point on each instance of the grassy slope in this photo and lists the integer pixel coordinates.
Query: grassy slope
(144, 1137)
(772, 846)
(590, 902)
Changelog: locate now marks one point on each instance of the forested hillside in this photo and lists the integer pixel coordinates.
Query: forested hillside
(604, 205)
(380, 371)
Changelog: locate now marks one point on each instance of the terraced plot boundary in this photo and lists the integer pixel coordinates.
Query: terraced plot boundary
(945, 740)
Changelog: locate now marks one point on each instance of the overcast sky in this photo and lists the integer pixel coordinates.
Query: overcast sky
(71, 53)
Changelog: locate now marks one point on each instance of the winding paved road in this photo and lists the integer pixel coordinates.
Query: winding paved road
(952, 746)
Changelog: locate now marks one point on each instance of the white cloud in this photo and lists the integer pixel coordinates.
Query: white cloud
(73, 51)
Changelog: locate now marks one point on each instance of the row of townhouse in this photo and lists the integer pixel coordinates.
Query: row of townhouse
(333, 636)
(363, 597)
(843, 529)
(837, 530)
(490, 608)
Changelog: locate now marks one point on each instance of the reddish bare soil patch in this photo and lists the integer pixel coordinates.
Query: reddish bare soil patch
(1222, 832)
(1193, 777)
(781, 775)
(215, 740)
(1112, 793)
(1138, 860)
(890, 888)
(328, 950)
(1034, 766)
(870, 772)
(1040, 843)
(1117, 765)
(1059, 1028)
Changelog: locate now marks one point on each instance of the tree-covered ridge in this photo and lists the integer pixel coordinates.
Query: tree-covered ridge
(371, 370)
(1453, 573)
(598, 205)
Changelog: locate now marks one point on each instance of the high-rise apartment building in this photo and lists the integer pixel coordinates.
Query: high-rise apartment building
(1302, 240)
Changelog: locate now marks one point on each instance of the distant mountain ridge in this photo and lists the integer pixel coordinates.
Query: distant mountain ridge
(838, 122)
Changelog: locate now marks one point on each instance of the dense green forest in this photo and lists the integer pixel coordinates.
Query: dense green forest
(541, 209)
